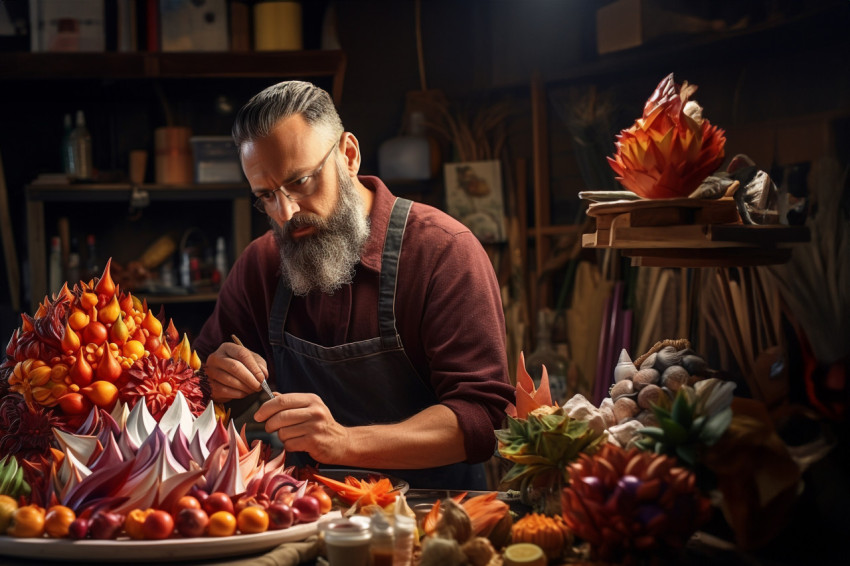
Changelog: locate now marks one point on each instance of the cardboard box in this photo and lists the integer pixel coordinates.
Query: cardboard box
(59, 25)
(216, 160)
(187, 25)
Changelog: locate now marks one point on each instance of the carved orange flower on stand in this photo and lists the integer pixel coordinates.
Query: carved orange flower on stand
(671, 149)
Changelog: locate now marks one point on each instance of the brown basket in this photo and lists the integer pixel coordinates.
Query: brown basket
(678, 343)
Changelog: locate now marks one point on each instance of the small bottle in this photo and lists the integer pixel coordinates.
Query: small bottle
(546, 355)
(382, 545)
(81, 153)
(404, 530)
(93, 267)
(221, 257)
(67, 150)
(73, 275)
(55, 265)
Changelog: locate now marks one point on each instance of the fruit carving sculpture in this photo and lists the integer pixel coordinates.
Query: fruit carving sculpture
(669, 150)
(90, 346)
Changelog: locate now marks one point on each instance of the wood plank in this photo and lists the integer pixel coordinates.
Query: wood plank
(717, 257)
(13, 273)
(698, 236)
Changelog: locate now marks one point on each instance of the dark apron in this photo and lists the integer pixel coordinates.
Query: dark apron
(366, 382)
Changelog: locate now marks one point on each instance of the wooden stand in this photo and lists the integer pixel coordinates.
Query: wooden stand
(684, 232)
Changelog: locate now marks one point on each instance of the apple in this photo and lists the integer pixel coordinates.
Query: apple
(309, 508)
(281, 516)
(158, 525)
(191, 522)
(217, 501)
(105, 525)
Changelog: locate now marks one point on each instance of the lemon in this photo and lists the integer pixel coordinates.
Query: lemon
(524, 554)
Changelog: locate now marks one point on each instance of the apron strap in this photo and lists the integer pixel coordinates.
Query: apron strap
(277, 316)
(389, 272)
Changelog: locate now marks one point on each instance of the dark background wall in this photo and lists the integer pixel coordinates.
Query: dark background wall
(782, 93)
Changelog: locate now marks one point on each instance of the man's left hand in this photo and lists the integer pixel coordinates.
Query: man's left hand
(304, 423)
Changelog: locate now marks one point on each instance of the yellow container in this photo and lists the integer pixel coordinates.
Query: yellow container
(277, 26)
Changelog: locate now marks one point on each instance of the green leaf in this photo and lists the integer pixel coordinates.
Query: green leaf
(653, 432)
(716, 426)
(682, 412)
(675, 433)
(687, 453)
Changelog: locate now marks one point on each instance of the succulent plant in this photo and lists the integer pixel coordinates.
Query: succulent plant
(631, 502)
(541, 445)
(699, 416)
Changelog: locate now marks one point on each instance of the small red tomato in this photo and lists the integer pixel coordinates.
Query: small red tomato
(217, 501)
(158, 525)
(191, 522)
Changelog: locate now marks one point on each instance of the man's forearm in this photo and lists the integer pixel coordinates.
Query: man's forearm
(428, 439)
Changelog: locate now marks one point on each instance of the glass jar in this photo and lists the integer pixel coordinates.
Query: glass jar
(347, 541)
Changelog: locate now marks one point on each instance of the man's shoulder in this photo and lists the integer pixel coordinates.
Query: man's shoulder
(427, 218)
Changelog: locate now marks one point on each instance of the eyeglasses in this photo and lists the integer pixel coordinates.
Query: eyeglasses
(294, 191)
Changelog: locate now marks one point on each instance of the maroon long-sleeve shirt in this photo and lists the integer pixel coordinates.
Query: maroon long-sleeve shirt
(448, 312)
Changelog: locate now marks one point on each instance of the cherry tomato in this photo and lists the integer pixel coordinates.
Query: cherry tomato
(253, 519)
(222, 524)
(158, 525)
(133, 348)
(27, 521)
(58, 520)
(133, 523)
(74, 404)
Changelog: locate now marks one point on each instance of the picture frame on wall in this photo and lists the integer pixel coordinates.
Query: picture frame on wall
(474, 197)
(59, 25)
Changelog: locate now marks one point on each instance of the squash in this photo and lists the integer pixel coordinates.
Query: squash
(548, 532)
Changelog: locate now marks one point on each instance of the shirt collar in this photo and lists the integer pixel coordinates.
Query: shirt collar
(379, 220)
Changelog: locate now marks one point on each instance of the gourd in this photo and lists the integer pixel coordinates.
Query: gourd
(548, 532)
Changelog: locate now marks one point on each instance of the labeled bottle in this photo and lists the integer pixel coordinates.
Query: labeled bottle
(54, 270)
(382, 546)
(93, 266)
(546, 355)
(82, 168)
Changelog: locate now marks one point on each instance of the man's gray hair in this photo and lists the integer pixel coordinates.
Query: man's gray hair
(263, 112)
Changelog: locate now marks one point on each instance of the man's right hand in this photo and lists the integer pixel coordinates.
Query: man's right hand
(234, 372)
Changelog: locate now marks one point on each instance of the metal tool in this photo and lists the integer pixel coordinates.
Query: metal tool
(264, 384)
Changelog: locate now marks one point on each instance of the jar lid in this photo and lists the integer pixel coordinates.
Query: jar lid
(345, 529)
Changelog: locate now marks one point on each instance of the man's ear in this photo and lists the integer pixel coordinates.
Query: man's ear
(351, 152)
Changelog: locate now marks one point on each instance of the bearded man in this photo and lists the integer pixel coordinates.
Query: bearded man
(378, 321)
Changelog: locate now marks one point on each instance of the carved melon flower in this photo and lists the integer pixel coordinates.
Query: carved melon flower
(671, 148)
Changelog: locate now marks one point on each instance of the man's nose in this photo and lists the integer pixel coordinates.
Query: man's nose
(286, 208)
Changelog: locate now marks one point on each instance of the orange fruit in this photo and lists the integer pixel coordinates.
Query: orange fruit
(222, 524)
(253, 519)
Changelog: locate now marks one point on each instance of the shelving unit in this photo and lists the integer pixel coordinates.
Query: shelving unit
(148, 78)
(123, 66)
(38, 196)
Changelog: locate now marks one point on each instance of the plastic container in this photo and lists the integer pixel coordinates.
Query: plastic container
(383, 543)
(216, 160)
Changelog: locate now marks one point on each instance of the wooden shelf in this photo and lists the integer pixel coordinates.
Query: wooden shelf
(278, 64)
(683, 232)
(122, 191)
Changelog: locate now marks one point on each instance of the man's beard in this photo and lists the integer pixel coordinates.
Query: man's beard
(325, 259)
